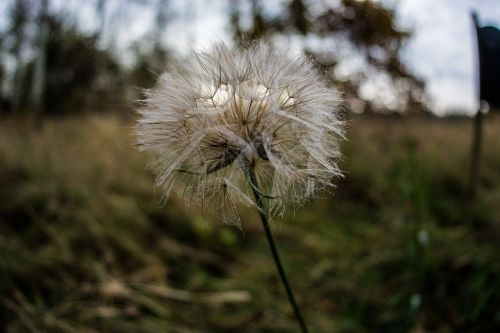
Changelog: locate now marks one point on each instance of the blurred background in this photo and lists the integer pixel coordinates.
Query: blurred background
(402, 245)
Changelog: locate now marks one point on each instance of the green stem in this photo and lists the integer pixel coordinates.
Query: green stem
(262, 212)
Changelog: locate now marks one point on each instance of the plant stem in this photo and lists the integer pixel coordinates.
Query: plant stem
(263, 216)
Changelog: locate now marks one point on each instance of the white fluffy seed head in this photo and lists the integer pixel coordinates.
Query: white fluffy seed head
(233, 110)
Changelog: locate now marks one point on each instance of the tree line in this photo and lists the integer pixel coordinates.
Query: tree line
(62, 57)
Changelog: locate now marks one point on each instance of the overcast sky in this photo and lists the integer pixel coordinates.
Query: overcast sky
(442, 49)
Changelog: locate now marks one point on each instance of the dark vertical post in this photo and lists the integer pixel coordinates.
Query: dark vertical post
(476, 152)
(478, 124)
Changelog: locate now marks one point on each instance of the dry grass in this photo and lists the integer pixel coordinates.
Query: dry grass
(85, 246)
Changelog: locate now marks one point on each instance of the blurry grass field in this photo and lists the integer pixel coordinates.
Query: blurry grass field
(86, 246)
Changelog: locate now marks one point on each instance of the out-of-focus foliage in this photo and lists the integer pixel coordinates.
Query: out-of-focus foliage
(3, 102)
(16, 39)
(20, 13)
(152, 56)
(369, 27)
(85, 246)
(78, 70)
(148, 66)
(79, 75)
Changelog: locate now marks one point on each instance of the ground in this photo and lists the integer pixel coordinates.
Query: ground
(86, 245)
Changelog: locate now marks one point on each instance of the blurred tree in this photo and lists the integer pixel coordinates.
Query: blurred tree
(159, 54)
(372, 29)
(298, 12)
(20, 15)
(234, 19)
(148, 66)
(262, 24)
(3, 102)
(79, 75)
(161, 21)
(39, 76)
(152, 54)
(368, 27)
(101, 13)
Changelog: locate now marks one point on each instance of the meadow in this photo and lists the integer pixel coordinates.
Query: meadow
(87, 246)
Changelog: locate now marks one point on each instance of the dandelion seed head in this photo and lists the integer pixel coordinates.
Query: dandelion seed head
(232, 110)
